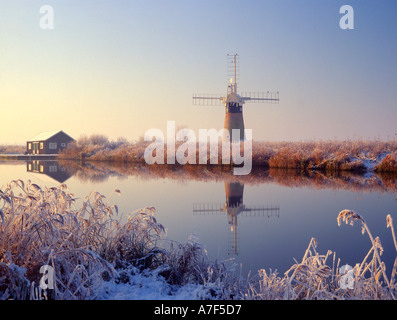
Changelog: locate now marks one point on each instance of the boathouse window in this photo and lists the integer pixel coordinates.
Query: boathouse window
(41, 145)
(52, 145)
(30, 146)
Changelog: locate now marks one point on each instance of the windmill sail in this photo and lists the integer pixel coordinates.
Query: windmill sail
(233, 101)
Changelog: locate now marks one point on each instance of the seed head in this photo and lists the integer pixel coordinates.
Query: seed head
(349, 215)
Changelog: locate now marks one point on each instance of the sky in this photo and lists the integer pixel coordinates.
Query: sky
(120, 68)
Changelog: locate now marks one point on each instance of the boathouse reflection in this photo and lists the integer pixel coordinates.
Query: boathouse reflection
(48, 169)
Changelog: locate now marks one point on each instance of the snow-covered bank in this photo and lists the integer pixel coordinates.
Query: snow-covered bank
(368, 161)
(149, 285)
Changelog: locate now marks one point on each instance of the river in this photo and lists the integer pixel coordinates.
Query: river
(263, 220)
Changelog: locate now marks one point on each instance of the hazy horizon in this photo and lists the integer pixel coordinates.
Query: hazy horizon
(120, 68)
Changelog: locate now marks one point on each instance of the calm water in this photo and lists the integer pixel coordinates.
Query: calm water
(264, 220)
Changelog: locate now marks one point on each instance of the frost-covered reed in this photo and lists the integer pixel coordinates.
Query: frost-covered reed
(318, 276)
(86, 246)
(329, 155)
(40, 226)
(89, 245)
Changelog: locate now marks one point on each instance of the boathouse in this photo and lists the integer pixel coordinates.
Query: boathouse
(51, 142)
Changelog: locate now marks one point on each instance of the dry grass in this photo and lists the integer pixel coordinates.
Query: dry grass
(388, 163)
(41, 227)
(310, 155)
(318, 277)
(99, 147)
(86, 246)
(322, 155)
(89, 245)
(331, 155)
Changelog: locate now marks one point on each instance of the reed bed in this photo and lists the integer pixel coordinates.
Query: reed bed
(88, 246)
(327, 155)
(40, 227)
(322, 277)
(332, 155)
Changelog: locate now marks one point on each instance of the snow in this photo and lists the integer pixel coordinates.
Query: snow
(369, 162)
(44, 135)
(149, 285)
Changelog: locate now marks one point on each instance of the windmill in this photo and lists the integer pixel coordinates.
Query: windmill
(234, 207)
(233, 101)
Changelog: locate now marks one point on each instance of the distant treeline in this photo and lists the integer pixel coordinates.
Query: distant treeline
(12, 149)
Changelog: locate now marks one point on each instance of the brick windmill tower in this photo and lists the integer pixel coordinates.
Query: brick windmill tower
(233, 101)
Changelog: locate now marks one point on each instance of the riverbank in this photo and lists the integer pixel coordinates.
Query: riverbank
(326, 156)
(27, 157)
(352, 156)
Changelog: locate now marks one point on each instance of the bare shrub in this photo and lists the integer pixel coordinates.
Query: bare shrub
(12, 149)
(388, 163)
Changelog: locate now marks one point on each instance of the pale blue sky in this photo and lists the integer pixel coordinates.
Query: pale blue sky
(122, 67)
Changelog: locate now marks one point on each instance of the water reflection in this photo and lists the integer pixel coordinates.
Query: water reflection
(234, 206)
(48, 170)
(99, 172)
(310, 203)
(96, 172)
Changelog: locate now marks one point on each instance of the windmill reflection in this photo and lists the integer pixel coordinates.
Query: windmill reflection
(234, 206)
(48, 170)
